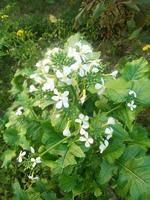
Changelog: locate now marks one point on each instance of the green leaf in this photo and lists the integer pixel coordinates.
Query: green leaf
(69, 159)
(11, 136)
(7, 157)
(67, 182)
(135, 70)
(117, 90)
(134, 178)
(139, 136)
(114, 151)
(18, 192)
(142, 89)
(49, 137)
(76, 151)
(106, 172)
(119, 133)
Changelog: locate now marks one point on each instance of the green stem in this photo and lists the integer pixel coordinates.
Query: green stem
(53, 146)
(115, 108)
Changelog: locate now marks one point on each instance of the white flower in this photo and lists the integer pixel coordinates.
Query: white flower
(35, 161)
(33, 178)
(83, 121)
(32, 150)
(73, 53)
(63, 75)
(19, 111)
(79, 54)
(61, 99)
(131, 92)
(82, 69)
(21, 155)
(88, 140)
(32, 88)
(111, 121)
(114, 74)
(131, 105)
(103, 146)
(95, 70)
(36, 78)
(94, 64)
(66, 131)
(83, 49)
(108, 132)
(49, 85)
(100, 87)
(83, 132)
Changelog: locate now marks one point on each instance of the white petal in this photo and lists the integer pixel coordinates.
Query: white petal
(81, 116)
(59, 74)
(55, 98)
(85, 125)
(32, 159)
(32, 150)
(108, 130)
(98, 86)
(87, 144)
(38, 160)
(66, 132)
(82, 131)
(66, 93)
(111, 121)
(65, 103)
(59, 104)
(90, 140)
(82, 139)
(67, 70)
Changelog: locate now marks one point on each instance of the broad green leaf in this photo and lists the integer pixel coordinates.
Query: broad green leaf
(11, 136)
(69, 159)
(139, 136)
(114, 151)
(136, 69)
(7, 157)
(19, 194)
(119, 133)
(135, 176)
(49, 137)
(117, 90)
(67, 182)
(76, 151)
(142, 89)
(105, 173)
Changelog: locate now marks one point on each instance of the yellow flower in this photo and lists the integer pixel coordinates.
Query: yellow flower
(20, 33)
(146, 47)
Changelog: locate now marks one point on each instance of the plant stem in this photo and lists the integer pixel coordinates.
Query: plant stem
(115, 108)
(53, 146)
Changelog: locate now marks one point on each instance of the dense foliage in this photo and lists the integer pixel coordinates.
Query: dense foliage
(74, 116)
(73, 123)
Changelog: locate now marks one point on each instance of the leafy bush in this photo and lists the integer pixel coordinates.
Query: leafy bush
(72, 131)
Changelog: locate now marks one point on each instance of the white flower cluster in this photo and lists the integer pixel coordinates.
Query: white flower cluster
(83, 120)
(47, 76)
(34, 160)
(108, 134)
(132, 104)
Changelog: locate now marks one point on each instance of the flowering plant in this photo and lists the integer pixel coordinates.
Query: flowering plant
(82, 121)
